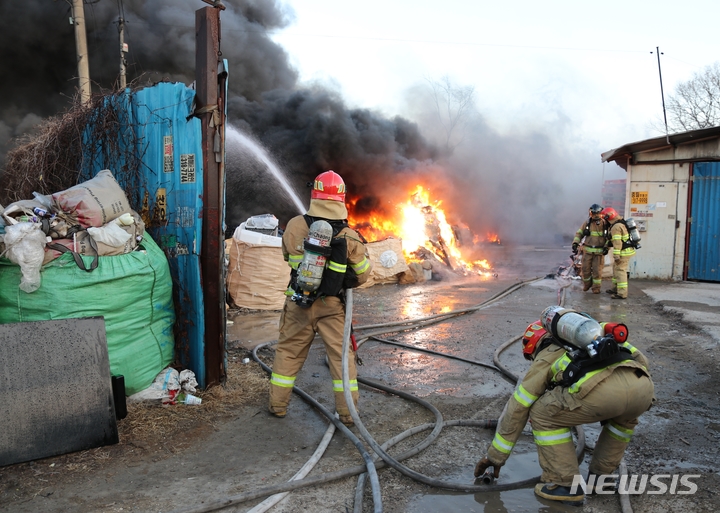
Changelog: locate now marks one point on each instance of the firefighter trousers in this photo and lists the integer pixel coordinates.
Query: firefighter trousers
(592, 266)
(616, 402)
(326, 317)
(620, 276)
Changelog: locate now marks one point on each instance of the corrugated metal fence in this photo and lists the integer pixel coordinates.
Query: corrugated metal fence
(704, 250)
(167, 141)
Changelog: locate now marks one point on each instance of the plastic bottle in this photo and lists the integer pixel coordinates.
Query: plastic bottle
(185, 398)
(571, 327)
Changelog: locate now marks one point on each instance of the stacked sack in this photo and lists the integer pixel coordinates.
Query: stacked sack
(93, 218)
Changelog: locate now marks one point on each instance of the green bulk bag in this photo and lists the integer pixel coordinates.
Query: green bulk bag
(133, 292)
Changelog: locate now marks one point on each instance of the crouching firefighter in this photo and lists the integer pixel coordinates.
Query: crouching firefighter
(582, 372)
(326, 257)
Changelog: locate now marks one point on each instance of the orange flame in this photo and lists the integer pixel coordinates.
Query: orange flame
(420, 224)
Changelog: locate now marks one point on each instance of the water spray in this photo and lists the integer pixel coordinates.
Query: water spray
(233, 134)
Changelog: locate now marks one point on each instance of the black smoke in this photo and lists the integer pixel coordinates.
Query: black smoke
(511, 184)
(39, 66)
(311, 130)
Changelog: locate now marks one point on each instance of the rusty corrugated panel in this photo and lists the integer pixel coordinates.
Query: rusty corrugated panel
(166, 181)
(169, 139)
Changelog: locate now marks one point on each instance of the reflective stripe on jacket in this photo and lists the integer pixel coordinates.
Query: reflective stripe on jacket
(595, 241)
(619, 236)
(533, 385)
(292, 247)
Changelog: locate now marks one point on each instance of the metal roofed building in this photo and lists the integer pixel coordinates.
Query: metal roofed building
(673, 194)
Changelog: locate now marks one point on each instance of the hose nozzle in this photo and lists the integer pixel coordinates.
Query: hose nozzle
(487, 477)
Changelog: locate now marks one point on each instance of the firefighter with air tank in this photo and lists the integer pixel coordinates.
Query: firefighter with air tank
(592, 238)
(582, 372)
(325, 257)
(623, 238)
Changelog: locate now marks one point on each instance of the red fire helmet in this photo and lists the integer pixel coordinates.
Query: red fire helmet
(533, 334)
(328, 186)
(609, 213)
(617, 329)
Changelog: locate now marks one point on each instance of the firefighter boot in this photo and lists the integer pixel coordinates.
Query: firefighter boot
(611, 291)
(555, 492)
(347, 420)
(277, 411)
(587, 285)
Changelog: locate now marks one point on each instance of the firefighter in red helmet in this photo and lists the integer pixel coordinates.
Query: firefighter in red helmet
(591, 237)
(321, 311)
(622, 250)
(565, 387)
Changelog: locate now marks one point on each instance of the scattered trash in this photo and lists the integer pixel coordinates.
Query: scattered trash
(187, 380)
(184, 398)
(25, 243)
(246, 360)
(169, 387)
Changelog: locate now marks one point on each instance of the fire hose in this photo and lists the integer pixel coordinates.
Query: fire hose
(389, 459)
(370, 467)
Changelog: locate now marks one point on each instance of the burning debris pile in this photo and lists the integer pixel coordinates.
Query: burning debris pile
(426, 235)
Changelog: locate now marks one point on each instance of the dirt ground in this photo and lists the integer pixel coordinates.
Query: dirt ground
(186, 457)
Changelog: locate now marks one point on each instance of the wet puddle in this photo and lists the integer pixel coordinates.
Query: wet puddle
(523, 464)
(250, 330)
(425, 374)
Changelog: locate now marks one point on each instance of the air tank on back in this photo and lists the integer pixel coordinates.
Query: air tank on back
(572, 327)
(316, 251)
(633, 231)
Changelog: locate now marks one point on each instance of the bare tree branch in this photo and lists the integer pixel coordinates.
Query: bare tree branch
(452, 104)
(695, 104)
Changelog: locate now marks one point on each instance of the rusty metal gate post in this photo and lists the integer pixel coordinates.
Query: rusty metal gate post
(210, 99)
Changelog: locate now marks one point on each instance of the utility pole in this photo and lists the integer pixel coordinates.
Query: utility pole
(662, 94)
(123, 49)
(78, 20)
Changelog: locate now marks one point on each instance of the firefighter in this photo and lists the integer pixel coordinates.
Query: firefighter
(322, 312)
(614, 395)
(593, 237)
(622, 249)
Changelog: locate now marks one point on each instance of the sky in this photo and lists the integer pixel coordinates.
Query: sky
(585, 65)
(347, 86)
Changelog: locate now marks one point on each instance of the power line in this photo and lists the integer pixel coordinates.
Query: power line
(405, 40)
(430, 41)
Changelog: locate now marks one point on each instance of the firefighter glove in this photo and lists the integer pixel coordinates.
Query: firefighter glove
(617, 260)
(605, 250)
(483, 465)
(575, 248)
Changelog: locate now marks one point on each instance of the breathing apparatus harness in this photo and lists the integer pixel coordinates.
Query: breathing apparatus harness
(334, 275)
(633, 236)
(588, 345)
(608, 352)
(586, 231)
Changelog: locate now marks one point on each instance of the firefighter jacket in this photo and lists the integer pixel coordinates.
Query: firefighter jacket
(296, 232)
(596, 238)
(547, 368)
(620, 239)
